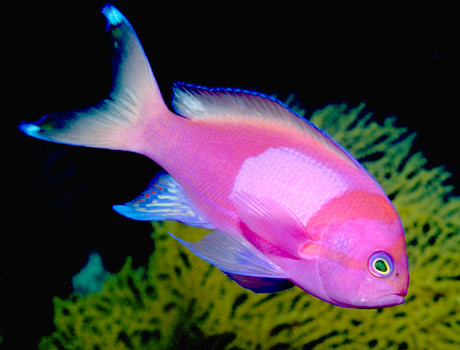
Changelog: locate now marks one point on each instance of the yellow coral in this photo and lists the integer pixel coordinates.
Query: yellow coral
(181, 302)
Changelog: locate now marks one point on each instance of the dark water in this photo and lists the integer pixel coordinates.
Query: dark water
(59, 198)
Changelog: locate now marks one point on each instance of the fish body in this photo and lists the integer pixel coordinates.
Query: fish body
(287, 203)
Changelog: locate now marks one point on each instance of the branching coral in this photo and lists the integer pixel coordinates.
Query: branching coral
(181, 302)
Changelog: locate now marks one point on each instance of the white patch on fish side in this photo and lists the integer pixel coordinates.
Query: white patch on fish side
(294, 180)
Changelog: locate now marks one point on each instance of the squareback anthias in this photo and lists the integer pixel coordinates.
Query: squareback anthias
(287, 204)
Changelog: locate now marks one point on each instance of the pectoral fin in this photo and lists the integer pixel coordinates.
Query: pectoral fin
(268, 223)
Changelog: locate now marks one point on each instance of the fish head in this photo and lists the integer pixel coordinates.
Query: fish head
(363, 263)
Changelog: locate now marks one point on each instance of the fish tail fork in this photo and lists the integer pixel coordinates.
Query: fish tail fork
(112, 123)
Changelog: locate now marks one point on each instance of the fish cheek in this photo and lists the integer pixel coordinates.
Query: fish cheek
(339, 282)
(341, 265)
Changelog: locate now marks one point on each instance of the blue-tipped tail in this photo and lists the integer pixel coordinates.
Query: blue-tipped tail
(113, 16)
(112, 122)
(30, 129)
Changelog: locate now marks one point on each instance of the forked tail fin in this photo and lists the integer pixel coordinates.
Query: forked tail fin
(112, 122)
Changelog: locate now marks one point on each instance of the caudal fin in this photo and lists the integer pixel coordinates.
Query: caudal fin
(112, 122)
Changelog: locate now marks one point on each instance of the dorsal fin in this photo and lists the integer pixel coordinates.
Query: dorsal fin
(199, 102)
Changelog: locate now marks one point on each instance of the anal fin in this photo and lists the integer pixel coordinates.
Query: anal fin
(163, 199)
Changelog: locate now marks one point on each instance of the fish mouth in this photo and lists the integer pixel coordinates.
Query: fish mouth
(388, 300)
(380, 301)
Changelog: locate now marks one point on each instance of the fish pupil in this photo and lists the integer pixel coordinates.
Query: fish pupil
(381, 265)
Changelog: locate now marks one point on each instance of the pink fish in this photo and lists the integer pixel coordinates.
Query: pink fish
(287, 204)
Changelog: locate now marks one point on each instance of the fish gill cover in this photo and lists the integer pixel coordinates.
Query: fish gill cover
(181, 302)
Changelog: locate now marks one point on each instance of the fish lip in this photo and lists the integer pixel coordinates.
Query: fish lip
(388, 299)
(385, 300)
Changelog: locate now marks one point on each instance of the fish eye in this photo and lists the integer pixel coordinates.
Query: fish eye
(380, 264)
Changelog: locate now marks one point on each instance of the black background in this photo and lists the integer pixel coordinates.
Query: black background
(400, 61)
